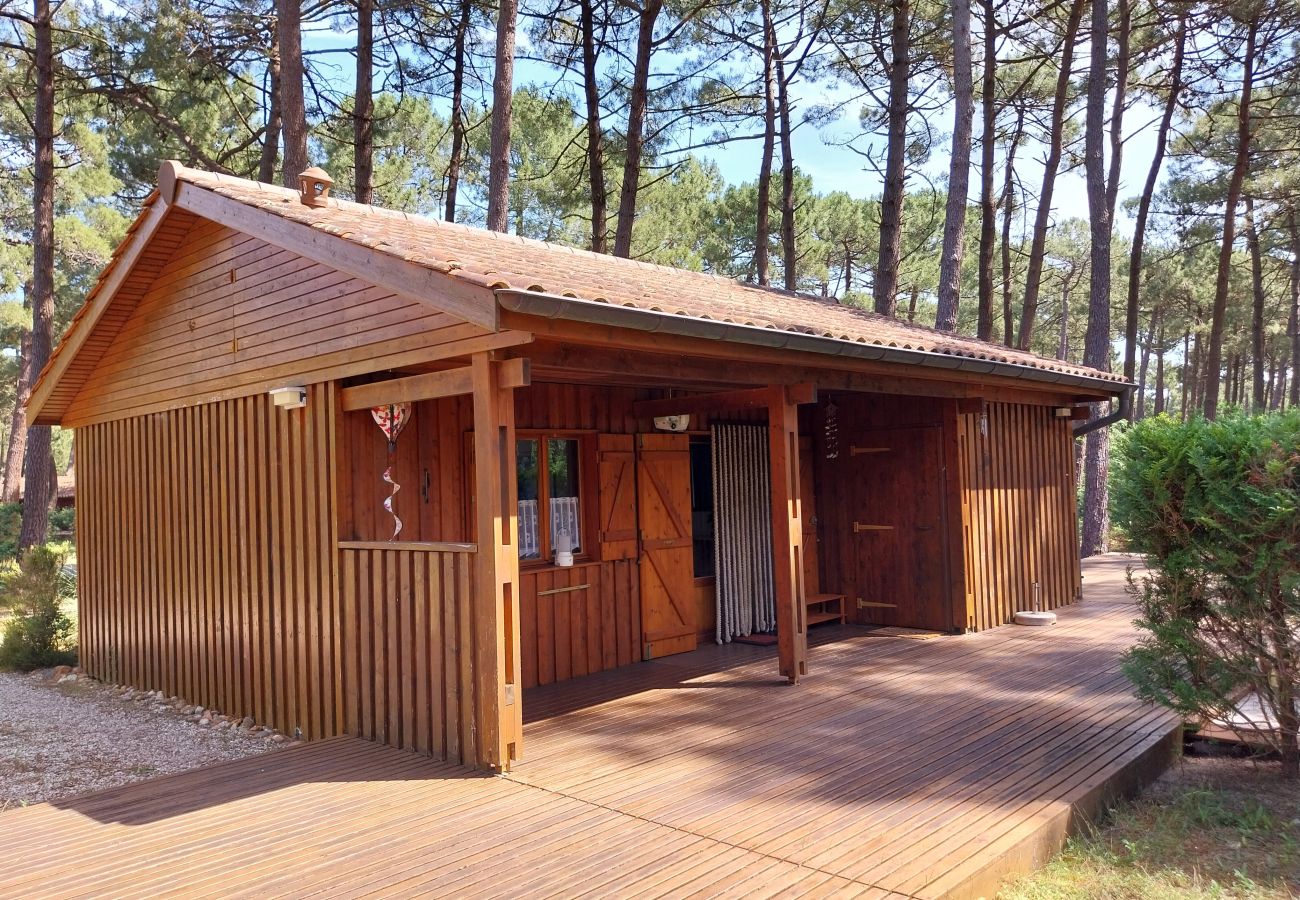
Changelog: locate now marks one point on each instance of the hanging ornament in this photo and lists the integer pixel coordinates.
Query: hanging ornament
(832, 430)
(391, 419)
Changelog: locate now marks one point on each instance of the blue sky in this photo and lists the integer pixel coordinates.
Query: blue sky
(820, 152)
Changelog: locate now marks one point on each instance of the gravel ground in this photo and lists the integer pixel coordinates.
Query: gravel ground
(60, 740)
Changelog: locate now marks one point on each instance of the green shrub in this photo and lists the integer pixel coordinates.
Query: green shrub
(38, 632)
(1215, 506)
(63, 519)
(11, 521)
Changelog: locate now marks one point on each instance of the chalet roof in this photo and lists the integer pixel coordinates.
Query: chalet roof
(484, 268)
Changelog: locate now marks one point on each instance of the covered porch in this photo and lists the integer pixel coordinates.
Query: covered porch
(902, 768)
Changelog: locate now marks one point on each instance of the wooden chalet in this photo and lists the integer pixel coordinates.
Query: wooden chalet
(717, 459)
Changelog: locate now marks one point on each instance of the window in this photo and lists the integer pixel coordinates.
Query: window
(702, 506)
(550, 496)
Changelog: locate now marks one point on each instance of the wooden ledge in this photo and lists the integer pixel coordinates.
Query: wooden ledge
(421, 546)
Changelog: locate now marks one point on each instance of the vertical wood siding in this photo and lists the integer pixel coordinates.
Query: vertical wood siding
(408, 649)
(206, 558)
(1019, 512)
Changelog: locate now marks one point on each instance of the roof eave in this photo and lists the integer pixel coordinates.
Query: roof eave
(553, 306)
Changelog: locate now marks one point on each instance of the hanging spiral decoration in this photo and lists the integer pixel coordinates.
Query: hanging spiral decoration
(391, 419)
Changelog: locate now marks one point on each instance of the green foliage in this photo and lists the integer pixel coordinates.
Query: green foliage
(1216, 508)
(38, 633)
(11, 520)
(63, 519)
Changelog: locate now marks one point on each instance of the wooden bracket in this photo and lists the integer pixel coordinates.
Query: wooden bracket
(859, 527)
(871, 604)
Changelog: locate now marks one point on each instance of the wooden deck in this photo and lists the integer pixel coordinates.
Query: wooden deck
(898, 768)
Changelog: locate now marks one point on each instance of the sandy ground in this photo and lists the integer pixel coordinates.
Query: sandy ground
(60, 740)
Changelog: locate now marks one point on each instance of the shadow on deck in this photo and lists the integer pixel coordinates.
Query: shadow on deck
(899, 767)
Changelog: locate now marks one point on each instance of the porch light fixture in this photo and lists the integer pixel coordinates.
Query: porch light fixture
(289, 397)
(673, 423)
(1063, 412)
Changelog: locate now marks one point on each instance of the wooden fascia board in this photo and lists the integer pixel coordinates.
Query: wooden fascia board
(402, 277)
(556, 361)
(103, 297)
(642, 341)
(429, 386)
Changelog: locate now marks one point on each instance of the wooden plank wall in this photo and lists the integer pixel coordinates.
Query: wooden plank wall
(408, 660)
(564, 634)
(206, 558)
(1020, 518)
(229, 314)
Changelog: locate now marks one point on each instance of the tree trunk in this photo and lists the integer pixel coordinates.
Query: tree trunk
(503, 83)
(595, 131)
(1214, 353)
(457, 157)
(1122, 54)
(39, 467)
(988, 204)
(789, 251)
(1063, 327)
(1160, 371)
(1140, 406)
(885, 286)
(363, 105)
(911, 303)
(1257, 308)
(1293, 324)
(1096, 342)
(954, 220)
(762, 222)
(1008, 209)
(293, 102)
(1037, 249)
(270, 154)
(17, 445)
(638, 101)
(1144, 203)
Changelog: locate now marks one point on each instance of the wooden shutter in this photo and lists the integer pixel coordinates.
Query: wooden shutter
(617, 467)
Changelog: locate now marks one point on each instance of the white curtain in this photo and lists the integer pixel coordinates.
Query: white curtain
(742, 546)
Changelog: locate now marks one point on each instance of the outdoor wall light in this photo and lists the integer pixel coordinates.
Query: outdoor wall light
(289, 397)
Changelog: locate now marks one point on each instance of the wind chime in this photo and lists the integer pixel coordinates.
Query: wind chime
(391, 419)
(832, 430)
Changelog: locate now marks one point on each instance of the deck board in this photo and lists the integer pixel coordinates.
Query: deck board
(897, 768)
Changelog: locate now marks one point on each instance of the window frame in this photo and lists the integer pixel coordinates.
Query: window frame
(586, 492)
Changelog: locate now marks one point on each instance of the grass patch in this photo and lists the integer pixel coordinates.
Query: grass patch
(1223, 828)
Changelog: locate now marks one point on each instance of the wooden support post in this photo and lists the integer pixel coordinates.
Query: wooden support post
(787, 533)
(498, 697)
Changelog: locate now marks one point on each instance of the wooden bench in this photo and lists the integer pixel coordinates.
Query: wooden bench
(826, 608)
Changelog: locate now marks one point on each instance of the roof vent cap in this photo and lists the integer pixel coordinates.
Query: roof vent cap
(314, 186)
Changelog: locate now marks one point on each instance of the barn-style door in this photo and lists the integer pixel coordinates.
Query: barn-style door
(895, 526)
(663, 466)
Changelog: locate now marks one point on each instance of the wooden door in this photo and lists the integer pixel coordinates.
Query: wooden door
(808, 495)
(895, 528)
(664, 521)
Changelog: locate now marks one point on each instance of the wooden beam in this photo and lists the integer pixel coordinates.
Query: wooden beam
(403, 277)
(553, 361)
(499, 694)
(787, 534)
(430, 386)
(754, 398)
